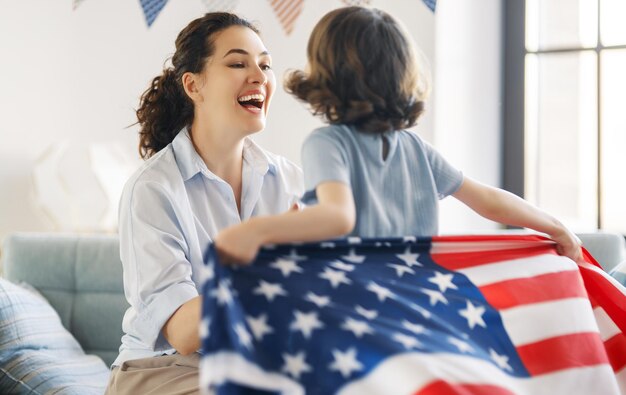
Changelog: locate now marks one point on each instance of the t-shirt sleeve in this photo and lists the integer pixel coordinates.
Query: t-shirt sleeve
(448, 179)
(323, 159)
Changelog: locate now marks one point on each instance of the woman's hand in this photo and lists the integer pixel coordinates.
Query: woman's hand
(238, 244)
(568, 244)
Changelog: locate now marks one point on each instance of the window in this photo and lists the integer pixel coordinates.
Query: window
(574, 106)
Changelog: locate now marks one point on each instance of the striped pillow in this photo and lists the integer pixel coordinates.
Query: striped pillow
(37, 354)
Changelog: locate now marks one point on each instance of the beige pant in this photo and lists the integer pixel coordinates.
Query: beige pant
(166, 375)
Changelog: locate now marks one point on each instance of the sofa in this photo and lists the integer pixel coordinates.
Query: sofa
(80, 276)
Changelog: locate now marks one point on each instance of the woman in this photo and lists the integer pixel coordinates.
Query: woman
(203, 174)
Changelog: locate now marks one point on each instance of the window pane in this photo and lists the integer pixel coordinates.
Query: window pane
(613, 140)
(561, 24)
(561, 136)
(613, 14)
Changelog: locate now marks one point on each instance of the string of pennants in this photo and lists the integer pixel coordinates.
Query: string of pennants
(287, 11)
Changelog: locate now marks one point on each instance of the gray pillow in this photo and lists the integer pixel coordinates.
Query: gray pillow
(37, 354)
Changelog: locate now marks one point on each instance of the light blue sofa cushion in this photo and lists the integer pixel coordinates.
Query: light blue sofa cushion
(81, 276)
(37, 354)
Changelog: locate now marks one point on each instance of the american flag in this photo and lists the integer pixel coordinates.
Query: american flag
(447, 315)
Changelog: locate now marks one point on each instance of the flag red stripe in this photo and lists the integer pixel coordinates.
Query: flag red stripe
(606, 295)
(616, 350)
(542, 288)
(440, 387)
(462, 260)
(563, 352)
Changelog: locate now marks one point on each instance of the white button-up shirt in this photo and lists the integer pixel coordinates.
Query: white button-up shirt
(170, 210)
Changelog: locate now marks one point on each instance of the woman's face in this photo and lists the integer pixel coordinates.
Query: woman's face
(237, 82)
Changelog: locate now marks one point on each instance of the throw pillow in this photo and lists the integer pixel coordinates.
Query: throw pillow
(37, 354)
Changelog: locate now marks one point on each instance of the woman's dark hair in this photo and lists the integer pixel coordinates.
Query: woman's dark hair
(164, 108)
(363, 71)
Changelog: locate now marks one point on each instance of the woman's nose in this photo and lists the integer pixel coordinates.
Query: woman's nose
(257, 76)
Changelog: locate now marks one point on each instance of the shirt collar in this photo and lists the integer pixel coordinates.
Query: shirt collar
(190, 163)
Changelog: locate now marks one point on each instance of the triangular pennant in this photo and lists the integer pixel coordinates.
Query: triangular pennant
(431, 4)
(287, 11)
(220, 5)
(151, 9)
(358, 3)
(75, 4)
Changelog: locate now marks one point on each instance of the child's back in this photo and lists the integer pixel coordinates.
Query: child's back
(395, 184)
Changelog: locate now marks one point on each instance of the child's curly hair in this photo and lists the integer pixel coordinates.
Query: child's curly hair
(363, 71)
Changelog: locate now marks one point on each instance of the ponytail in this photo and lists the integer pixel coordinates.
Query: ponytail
(164, 109)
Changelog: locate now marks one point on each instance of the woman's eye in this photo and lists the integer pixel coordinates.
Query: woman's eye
(266, 67)
(237, 65)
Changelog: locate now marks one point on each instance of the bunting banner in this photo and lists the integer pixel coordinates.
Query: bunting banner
(448, 315)
(357, 3)
(151, 9)
(287, 12)
(220, 5)
(75, 4)
(431, 4)
(365, 3)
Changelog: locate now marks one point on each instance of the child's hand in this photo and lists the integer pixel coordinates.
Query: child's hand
(238, 244)
(568, 244)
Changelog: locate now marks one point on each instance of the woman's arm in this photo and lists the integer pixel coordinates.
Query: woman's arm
(504, 207)
(333, 216)
(181, 329)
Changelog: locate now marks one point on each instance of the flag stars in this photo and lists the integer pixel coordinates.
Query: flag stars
(359, 328)
(381, 292)
(409, 258)
(269, 290)
(501, 360)
(259, 326)
(293, 255)
(401, 270)
(473, 315)
(286, 266)
(335, 277)
(434, 296)
(463, 347)
(443, 281)
(306, 323)
(244, 336)
(369, 314)
(223, 294)
(319, 300)
(353, 257)
(295, 365)
(408, 342)
(414, 328)
(342, 266)
(205, 328)
(345, 362)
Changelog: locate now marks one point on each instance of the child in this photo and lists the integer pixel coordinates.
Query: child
(366, 175)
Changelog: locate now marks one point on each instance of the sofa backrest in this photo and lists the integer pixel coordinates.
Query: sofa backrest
(81, 276)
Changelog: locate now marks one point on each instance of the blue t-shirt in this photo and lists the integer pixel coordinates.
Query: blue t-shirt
(394, 197)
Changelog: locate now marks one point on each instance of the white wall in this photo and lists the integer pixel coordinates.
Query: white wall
(76, 76)
(467, 101)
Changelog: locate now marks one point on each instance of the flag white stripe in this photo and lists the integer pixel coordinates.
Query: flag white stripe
(539, 321)
(621, 380)
(407, 373)
(518, 268)
(606, 276)
(608, 329)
